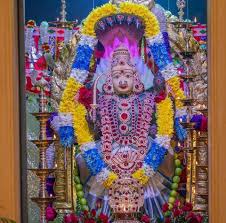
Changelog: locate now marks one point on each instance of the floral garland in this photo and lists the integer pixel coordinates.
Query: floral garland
(84, 54)
(174, 83)
(159, 50)
(155, 156)
(165, 113)
(78, 111)
(141, 176)
(151, 23)
(97, 167)
(94, 161)
(175, 88)
(95, 15)
(112, 177)
(152, 161)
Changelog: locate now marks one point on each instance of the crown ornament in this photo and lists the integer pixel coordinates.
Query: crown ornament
(121, 60)
(121, 50)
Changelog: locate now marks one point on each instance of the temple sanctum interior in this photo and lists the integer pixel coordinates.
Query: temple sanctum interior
(113, 111)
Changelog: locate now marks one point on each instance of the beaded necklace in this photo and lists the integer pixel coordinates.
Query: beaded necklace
(125, 121)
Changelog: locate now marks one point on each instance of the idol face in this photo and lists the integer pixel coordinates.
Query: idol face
(123, 81)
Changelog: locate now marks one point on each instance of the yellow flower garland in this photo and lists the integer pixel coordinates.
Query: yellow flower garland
(141, 176)
(174, 83)
(98, 13)
(110, 180)
(78, 111)
(151, 23)
(165, 117)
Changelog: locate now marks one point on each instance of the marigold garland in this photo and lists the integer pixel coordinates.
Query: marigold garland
(165, 115)
(151, 23)
(141, 176)
(110, 180)
(98, 13)
(174, 83)
(78, 111)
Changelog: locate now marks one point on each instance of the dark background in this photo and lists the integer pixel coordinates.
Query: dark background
(49, 10)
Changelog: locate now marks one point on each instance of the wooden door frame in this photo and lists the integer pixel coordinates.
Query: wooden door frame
(217, 110)
(9, 116)
(13, 151)
(13, 202)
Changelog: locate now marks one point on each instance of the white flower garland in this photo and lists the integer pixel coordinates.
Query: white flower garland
(88, 146)
(148, 170)
(169, 71)
(88, 40)
(62, 119)
(79, 75)
(158, 39)
(163, 141)
(180, 112)
(103, 175)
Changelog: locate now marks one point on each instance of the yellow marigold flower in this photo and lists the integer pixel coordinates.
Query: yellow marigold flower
(98, 13)
(78, 111)
(141, 176)
(151, 23)
(174, 83)
(110, 180)
(165, 115)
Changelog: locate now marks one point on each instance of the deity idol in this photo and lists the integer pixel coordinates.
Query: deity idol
(122, 168)
(124, 134)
